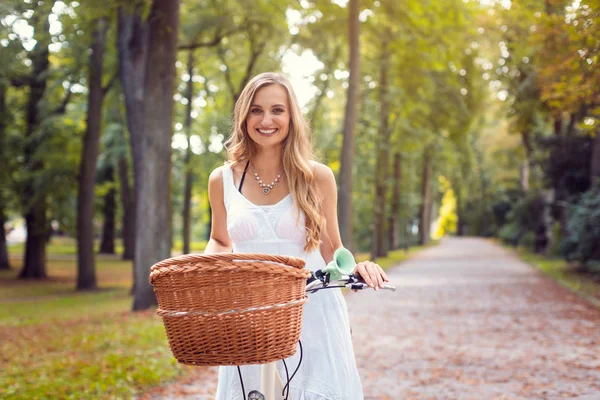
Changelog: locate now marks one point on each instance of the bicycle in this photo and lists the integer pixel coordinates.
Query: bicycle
(217, 309)
(336, 275)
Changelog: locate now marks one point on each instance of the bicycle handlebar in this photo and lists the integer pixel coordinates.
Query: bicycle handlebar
(319, 280)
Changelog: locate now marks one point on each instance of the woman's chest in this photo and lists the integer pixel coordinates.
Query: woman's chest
(248, 222)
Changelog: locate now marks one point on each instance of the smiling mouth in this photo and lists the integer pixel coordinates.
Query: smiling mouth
(267, 132)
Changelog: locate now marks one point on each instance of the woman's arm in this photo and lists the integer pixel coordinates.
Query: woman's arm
(371, 272)
(219, 241)
(330, 236)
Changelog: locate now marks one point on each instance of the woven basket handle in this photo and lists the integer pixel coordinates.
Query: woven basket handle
(229, 257)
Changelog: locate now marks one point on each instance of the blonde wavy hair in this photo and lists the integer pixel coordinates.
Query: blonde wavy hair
(297, 152)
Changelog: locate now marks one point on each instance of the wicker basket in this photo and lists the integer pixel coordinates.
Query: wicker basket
(231, 308)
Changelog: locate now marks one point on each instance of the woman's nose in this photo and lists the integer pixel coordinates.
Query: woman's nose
(267, 118)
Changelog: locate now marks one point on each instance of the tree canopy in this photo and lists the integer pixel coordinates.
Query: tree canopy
(464, 116)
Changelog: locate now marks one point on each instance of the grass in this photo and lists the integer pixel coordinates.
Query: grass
(64, 246)
(77, 306)
(59, 245)
(59, 343)
(195, 247)
(109, 357)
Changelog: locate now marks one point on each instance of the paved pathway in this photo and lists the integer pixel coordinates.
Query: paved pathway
(468, 321)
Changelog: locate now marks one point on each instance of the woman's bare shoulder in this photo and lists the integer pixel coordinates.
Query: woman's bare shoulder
(323, 173)
(216, 175)
(324, 179)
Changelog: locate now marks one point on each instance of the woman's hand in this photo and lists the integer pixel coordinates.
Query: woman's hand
(371, 273)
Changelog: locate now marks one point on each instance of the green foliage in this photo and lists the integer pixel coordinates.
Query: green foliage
(568, 56)
(523, 222)
(510, 233)
(567, 166)
(581, 242)
(445, 59)
(428, 45)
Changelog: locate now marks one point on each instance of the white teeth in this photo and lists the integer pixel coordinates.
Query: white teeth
(267, 131)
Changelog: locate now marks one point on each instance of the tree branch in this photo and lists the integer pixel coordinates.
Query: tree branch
(112, 80)
(251, 62)
(219, 36)
(22, 80)
(221, 53)
(323, 90)
(255, 52)
(206, 83)
(63, 105)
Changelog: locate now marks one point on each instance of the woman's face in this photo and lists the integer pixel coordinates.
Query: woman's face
(268, 119)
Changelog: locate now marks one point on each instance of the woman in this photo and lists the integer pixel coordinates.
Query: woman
(270, 197)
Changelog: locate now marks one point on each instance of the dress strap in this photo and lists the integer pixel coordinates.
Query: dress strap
(243, 176)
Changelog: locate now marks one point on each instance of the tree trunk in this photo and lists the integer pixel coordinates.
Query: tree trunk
(484, 209)
(524, 176)
(187, 191)
(543, 234)
(407, 234)
(187, 204)
(128, 210)
(4, 260)
(33, 200)
(107, 244)
(560, 193)
(426, 198)
(461, 224)
(86, 263)
(34, 266)
(132, 44)
(4, 178)
(595, 165)
(209, 224)
(378, 246)
(394, 221)
(345, 212)
(527, 164)
(153, 184)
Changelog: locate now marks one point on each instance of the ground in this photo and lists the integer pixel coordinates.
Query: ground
(469, 321)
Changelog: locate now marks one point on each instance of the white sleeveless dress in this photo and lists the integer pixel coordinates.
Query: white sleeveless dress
(328, 370)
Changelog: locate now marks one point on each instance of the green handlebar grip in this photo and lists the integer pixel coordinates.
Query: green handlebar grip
(343, 263)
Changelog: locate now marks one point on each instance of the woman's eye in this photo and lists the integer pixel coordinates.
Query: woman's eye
(278, 110)
(255, 110)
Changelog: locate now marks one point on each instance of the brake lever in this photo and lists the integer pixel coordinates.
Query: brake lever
(355, 282)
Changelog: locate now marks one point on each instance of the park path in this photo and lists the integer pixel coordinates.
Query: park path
(469, 321)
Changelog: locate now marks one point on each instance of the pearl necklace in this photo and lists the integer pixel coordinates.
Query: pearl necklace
(266, 187)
